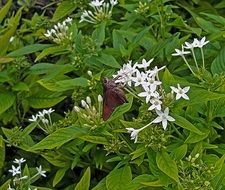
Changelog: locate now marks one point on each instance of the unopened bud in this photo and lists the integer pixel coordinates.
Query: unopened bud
(100, 99)
(76, 109)
(89, 73)
(88, 100)
(83, 103)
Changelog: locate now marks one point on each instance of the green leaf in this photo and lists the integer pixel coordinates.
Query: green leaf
(218, 64)
(4, 10)
(182, 122)
(99, 34)
(95, 139)
(44, 99)
(194, 138)
(119, 111)
(101, 185)
(5, 59)
(59, 175)
(59, 137)
(10, 31)
(20, 86)
(29, 49)
(119, 178)
(180, 152)
(2, 154)
(46, 68)
(167, 165)
(64, 9)
(51, 50)
(9, 100)
(84, 183)
(219, 164)
(103, 59)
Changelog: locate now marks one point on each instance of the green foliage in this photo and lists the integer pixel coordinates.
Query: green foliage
(52, 57)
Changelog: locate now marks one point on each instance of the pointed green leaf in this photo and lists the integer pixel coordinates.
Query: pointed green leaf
(9, 100)
(59, 137)
(4, 10)
(119, 178)
(167, 165)
(84, 183)
(59, 175)
(182, 122)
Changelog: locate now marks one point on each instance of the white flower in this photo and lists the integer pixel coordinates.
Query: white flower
(190, 45)
(180, 52)
(124, 75)
(139, 79)
(76, 109)
(180, 93)
(88, 100)
(155, 71)
(163, 117)
(152, 82)
(156, 104)
(19, 161)
(145, 63)
(200, 43)
(148, 93)
(40, 171)
(34, 118)
(96, 3)
(15, 170)
(113, 2)
(134, 133)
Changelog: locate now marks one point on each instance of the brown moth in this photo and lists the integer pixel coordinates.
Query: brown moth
(113, 96)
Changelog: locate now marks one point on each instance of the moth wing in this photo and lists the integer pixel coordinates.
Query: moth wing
(112, 98)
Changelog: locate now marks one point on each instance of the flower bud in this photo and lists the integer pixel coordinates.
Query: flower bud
(100, 99)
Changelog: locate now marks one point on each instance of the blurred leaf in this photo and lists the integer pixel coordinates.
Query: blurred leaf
(119, 178)
(99, 34)
(59, 137)
(64, 8)
(218, 64)
(59, 175)
(2, 154)
(4, 59)
(95, 139)
(84, 183)
(167, 165)
(10, 31)
(29, 49)
(194, 138)
(52, 50)
(44, 99)
(9, 100)
(20, 86)
(4, 10)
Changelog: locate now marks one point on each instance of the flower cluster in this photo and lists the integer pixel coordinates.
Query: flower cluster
(89, 113)
(147, 80)
(21, 180)
(60, 32)
(43, 122)
(191, 46)
(101, 11)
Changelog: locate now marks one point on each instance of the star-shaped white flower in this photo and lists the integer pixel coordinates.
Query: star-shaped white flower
(180, 52)
(134, 133)
(140, 78)
(34, 118)
(156, 104)
(200, 43)
(15, 170)
(148, 93)
(163, 117)
(96, 3)
(145, 63)
(180, 92)
(19, 161)
(40, 171)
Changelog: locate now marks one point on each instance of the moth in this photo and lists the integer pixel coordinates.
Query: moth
(113, 96)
